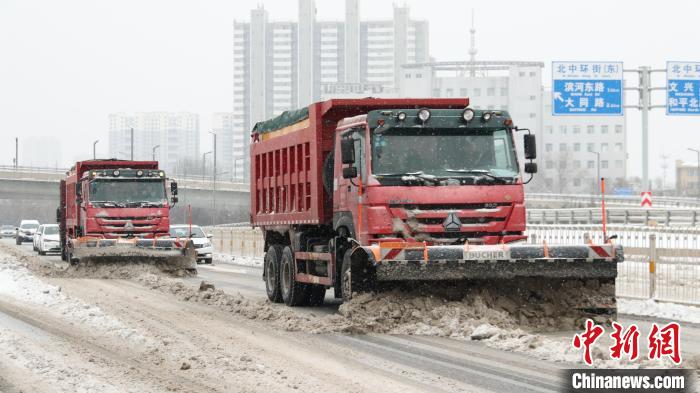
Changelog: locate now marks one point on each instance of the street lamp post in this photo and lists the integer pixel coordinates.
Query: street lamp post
(213, 189)
(697, 174)
(94, 151)
(597, 167)
(16, 153)
(204, 164)
(154, 151)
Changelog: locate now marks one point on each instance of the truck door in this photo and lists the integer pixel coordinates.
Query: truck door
(347, 190)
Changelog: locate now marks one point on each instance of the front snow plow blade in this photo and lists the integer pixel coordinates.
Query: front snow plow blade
(407, 261)
(168, 254)
(584, 274)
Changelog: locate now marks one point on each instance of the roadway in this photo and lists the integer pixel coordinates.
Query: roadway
(134, 337)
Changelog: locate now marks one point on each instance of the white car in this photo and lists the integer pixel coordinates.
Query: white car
(48, 239)
(36, 237)
(202, 242)
(25, 232)
(8, 231)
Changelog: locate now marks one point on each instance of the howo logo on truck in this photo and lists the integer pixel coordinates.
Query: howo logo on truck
(452, 223)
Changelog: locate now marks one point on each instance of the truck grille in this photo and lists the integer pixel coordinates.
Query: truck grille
(428, 220)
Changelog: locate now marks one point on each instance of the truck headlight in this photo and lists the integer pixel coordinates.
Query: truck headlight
(423, 115)
(486, 117)
(468, 115)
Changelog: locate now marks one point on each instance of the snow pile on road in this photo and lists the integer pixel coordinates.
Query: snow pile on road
(238, 260)
(652, 308)
(18, 282)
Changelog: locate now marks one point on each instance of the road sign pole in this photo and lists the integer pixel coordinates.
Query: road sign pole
(644, 92)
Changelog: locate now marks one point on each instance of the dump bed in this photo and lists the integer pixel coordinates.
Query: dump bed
(288, 153)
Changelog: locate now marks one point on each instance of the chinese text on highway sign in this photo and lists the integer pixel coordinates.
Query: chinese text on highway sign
(683, 88)
(586, 88)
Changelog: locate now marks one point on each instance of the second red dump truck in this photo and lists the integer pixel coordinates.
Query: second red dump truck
(350, 193)
(118, 211)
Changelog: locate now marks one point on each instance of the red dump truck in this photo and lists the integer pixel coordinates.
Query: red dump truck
(350, 193)
(118, 211)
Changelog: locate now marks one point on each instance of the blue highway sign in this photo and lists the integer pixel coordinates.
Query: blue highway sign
(682, 88)
(586, 88)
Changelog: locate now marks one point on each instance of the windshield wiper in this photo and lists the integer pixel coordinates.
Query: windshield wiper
(108, 203)
(417, 175)
(482, 172)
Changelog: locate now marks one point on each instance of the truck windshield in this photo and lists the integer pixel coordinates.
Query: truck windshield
(444, 152)
(127, 192)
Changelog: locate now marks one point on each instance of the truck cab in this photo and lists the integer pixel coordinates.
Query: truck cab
(123, 202)
(439, 176)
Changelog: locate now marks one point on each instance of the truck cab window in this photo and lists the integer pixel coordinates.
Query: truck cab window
(358, 136)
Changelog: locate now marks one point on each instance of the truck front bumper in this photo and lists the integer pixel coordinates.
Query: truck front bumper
(415, 261)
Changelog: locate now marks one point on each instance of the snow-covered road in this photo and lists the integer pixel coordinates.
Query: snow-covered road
(149, 333)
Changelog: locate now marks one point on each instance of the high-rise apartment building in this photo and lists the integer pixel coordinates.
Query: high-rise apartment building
(286, 65)
(176, 136)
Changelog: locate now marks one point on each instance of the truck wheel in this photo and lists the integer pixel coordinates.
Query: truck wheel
(273, 259)
(293, 293)
(355, 280)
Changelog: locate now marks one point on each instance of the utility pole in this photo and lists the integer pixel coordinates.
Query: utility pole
(132, 143)
(154, 151)
(644, 89)
(213, 189)
(697, 173)
(94, 151)
(16, 153)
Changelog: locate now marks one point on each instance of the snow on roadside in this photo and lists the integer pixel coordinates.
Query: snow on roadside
(238, 260)
(52, 369)
(652, 308)
(17, 282)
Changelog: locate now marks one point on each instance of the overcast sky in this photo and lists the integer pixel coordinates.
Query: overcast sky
(65, 65)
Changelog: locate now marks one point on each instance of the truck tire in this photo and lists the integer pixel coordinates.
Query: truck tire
(273, 259)
(293, 293)
(357, 280)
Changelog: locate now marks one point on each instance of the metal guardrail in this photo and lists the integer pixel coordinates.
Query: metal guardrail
(632, 200)
(638, 216)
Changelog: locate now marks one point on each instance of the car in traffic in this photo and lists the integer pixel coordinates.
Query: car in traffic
(26, 230)
(202, 241)
(48, 240)
(8, 231)
(36, 237)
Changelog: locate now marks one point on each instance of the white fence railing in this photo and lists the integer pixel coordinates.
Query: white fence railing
(625, 216)
(661, 263)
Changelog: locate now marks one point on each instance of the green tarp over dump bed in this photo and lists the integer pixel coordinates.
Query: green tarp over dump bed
(287, 118)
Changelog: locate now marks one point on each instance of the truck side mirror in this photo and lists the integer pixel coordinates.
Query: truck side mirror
(78, 189)
(58, 215)
(349, 172)
(530, 167)
(347, 151)
(173, 188)
(530, 147)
